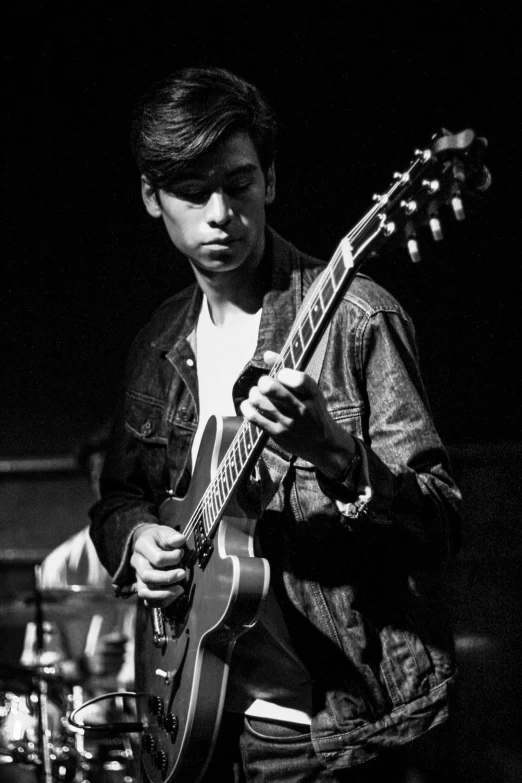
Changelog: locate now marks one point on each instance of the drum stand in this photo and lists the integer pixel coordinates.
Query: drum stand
(45, 770)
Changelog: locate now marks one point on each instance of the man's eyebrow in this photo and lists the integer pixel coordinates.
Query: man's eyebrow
(246, 168)
(201, 176)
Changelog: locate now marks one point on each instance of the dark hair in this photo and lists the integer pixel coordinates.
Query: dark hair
(189, 111)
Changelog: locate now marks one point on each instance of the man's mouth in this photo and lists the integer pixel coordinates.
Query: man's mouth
(222, 241)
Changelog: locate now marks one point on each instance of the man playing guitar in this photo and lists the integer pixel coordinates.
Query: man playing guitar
(347, 672)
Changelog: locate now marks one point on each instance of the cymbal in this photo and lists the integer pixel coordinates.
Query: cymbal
(56, 604)
(14, 677)
(82, 593)
(20, 679)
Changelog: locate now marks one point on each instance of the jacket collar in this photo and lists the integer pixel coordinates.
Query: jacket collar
(280, 304)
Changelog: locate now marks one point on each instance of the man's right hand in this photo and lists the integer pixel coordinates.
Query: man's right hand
(157, 555)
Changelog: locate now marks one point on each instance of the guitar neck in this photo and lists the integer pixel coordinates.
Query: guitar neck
(435, 177)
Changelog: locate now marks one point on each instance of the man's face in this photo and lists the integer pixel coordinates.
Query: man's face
(215, 214)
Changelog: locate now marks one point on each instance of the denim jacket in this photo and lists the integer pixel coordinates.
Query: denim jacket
(356, 565)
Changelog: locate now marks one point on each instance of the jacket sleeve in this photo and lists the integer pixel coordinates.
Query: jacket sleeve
(403, 477)
(132, 471)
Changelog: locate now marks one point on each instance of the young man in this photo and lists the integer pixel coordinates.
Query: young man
(350, 663)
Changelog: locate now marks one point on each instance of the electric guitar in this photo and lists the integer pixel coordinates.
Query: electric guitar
(183, 652)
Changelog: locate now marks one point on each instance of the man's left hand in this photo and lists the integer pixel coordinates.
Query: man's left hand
(292, 410)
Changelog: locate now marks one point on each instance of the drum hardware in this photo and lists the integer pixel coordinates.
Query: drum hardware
(108, 760)
(39, 696)
(109, 728)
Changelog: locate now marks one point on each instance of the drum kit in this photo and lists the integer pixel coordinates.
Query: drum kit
(58, 711)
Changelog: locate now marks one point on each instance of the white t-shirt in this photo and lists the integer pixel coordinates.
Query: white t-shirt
(221, 354)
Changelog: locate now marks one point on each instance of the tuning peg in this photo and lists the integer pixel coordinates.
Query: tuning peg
(436, 228)
(388, 226)
(413, 250)
(458, 207)
(409, 206)
(431, 185)
(424, 155)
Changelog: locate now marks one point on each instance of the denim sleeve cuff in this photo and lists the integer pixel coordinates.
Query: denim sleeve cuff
(352, 493)
(124, 580)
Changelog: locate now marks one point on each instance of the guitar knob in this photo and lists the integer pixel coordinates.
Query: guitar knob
(156, 705)
(171, 723)
(149, 743)
(161, 761)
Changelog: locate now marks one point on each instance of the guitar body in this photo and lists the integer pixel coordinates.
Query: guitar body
(185, 675)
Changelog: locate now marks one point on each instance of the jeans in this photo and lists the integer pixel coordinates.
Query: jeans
(250, 750)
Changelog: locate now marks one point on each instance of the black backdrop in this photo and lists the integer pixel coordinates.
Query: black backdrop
(357, 87)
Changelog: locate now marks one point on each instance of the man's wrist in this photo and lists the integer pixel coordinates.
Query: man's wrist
(138, 530)
(342, 462)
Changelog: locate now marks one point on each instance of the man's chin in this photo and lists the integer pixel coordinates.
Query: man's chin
(218, 261)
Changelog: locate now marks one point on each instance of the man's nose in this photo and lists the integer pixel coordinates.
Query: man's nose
(218, 209)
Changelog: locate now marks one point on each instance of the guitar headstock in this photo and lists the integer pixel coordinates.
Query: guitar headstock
(441, 175)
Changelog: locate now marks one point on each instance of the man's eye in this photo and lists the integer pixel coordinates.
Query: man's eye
(193, 193)
(194, 196)
(239, 186)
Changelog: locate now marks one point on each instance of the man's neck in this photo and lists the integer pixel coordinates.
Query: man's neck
(232, 294)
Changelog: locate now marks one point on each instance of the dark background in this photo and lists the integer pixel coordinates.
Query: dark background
(357, 87)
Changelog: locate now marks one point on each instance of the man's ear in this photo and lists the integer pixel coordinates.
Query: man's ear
(150, 199)
(270, 185)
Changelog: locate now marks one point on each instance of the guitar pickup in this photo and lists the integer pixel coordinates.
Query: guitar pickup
(203, 546)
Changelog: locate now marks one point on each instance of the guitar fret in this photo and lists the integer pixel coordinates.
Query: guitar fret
(230, 475)
(317, 310)
(297, 348)
(290, 354)
(215, 505)
(220, 489)
(307, 329)
(328, 290)
(286, 358)
(252, 438)
(242, 448)
(338, 271)
(205, 516)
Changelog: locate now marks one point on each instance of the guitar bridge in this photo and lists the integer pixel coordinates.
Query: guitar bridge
(159, 638)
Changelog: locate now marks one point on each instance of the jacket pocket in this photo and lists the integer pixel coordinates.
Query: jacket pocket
(145, 420)
(406, 665)
(350, 417)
